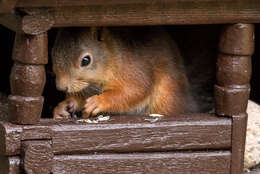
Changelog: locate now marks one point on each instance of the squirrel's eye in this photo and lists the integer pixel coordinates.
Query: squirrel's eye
(86, 60)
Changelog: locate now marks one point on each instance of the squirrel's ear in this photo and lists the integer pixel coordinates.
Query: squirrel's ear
(97, 33)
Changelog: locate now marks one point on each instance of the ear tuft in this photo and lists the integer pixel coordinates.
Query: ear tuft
(97, 33)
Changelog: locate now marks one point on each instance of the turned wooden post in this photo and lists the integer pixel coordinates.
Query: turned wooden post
(27, 78)
(232, 89)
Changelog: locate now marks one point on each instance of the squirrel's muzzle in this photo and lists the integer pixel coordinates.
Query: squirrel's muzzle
(62, 84)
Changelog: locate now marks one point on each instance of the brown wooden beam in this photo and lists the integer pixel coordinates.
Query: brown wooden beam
(7, 5)
(157, 14)
(130, 13)
(152, 163)
(122, 134)
(64, 3)
(238, 143)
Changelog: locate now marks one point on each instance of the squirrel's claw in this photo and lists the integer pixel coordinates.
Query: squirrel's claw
(63, 110)
(60, 112)
(92, 107)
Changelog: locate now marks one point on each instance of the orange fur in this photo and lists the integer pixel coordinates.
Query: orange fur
(138, 75)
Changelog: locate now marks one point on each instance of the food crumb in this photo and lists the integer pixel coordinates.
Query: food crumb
(151, 120)
(100, 118)
(156, 115)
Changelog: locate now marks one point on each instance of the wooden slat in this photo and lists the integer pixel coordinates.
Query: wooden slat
(62, 3)
(152, 163)
(11, 136)
(238, 143)
(133, 133)
(7, 5)
(122, 134)
(136, 12)
(158, 14)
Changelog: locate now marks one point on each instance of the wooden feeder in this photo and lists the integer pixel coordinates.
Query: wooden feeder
(194, 143)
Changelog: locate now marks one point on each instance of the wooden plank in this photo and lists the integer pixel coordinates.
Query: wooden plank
(7, 5)
(134, 133)
(11, 136)
(10, 141)
(62, 3)
(152, 163)
(10, 165)
(37, 156)
(213, 12)
(122, 133)
(238, 143)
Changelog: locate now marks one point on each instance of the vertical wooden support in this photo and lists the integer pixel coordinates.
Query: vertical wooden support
(232, 88)
(37, 157)
(27, 78)
(10, 165)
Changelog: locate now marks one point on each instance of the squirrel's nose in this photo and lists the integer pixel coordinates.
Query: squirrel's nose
(62, 88)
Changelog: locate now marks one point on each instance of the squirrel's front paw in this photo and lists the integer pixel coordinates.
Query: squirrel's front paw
(63, 110)
(93, 106)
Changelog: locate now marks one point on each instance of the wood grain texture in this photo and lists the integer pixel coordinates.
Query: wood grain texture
(238, 143)
(36, 132)
(133, 133)
(10, 141)
(25, 110)
(122, 134)
(31, 49)
(234, 69)
(179, 163)
(31, 24)
(62, 3)
(27, 80)
(10, 165)
(136, 12)
(37, 156)
(231, 101)
(237, 39)
(11, 136)
(214, 12)
(37, 23)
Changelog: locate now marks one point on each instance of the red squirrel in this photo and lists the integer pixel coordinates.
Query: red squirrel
(120, 71)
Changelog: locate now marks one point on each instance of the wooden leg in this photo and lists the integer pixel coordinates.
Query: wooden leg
(233, 84)
(37, 156)
(27, 78)
(10, 165)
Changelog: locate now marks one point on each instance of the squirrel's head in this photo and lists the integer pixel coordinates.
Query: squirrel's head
(79, 57)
